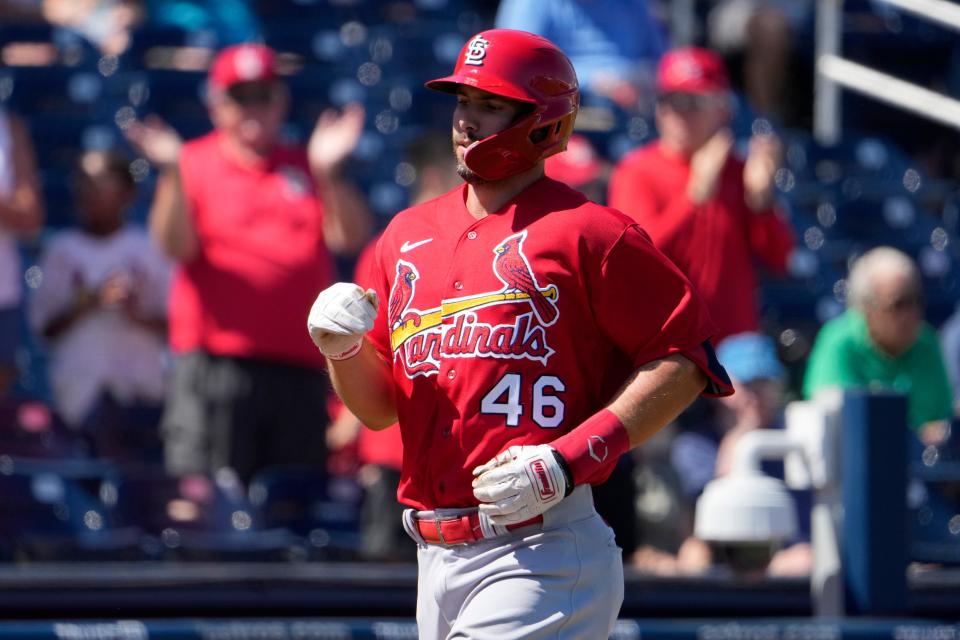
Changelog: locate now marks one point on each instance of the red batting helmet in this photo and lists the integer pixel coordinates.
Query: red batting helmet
(524, 67)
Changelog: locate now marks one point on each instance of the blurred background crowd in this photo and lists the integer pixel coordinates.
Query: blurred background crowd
(178, 178)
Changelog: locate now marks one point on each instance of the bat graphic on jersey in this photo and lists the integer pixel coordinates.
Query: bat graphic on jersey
(449, 308)
(512, 268)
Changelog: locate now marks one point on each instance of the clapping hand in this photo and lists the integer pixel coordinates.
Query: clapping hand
(334, 137)
(706, 165)
(156, 140)
(764, 154)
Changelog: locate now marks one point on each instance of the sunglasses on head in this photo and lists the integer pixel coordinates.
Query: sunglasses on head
(906, 302)
(688, 102)
(249, 94)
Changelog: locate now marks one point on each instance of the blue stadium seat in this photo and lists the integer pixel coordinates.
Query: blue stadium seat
(306, 501)
(149, 39)
(59, 90)
(174, 95)
(46, 516)
(873, 159)
(196, 517)
(30, 429)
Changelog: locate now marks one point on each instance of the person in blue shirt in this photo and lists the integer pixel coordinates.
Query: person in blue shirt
(614, 45)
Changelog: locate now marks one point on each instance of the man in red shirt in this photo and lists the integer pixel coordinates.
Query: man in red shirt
(524, 339)
(710, 212)
(251, 223)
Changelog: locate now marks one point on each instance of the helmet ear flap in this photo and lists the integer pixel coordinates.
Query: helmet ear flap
(552, 133)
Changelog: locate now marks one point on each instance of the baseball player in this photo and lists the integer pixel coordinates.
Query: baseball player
(524, 338)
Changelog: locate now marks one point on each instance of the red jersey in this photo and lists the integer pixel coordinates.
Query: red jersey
(513, 329)
(262, 256)
(715, 243)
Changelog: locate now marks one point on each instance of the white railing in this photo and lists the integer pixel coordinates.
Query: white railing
(833, 72)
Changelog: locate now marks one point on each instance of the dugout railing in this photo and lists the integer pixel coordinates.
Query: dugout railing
(833, 72)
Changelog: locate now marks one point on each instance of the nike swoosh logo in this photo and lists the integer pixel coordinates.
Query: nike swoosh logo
(410, 246)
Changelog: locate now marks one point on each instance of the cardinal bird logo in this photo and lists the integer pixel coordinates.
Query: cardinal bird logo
(423, 335)
(401, 294)
(511, 266)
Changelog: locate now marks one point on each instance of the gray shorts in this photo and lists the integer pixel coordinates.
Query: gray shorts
(244, 414)
(562, 581)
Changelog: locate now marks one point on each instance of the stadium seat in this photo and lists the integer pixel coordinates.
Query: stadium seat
(172, 94)
(196, 516)
(306, 501)
(30, 429)
(59, 90)
(46, 516)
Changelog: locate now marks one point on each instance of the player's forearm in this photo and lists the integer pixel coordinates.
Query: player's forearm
(170, 223)
(364, 384)
(347, 220)
(655, 395)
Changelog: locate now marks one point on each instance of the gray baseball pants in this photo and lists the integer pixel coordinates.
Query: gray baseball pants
(563, 581)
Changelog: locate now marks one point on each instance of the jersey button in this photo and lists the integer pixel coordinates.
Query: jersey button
(471, 235)
(445, 432)
(452, 374)
(458, 285)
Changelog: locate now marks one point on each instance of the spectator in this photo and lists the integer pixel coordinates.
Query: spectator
(614, 45)
(710, 212)
(101, 306)
(251, 223)
(233, 21)
(762, 35)
(106, 24)
(21, 215)
(882, 341)
(703, 453)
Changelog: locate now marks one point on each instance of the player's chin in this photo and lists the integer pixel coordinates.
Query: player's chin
(469, 176)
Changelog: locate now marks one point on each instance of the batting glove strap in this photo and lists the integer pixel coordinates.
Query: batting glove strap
(339, 317)
(345, 355)
(567, 473)
(591, 450)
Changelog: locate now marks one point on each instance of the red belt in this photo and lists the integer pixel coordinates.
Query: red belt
(459, 530)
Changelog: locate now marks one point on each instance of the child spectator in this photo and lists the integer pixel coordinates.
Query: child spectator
(101, 307)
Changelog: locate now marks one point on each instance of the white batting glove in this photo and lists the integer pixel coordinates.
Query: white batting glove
(519, 484)
(339, 317)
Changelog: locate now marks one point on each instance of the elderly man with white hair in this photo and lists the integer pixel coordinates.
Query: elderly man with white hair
(883, 342)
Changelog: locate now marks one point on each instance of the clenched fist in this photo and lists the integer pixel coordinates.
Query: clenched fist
(519, 484)
(339, 317)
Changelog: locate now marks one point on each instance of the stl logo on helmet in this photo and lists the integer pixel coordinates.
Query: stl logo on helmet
(476, 51)
(421, 338)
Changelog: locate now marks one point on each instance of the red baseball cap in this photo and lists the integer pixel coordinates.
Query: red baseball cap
(577, 165)
(692, 70)
(242, 63)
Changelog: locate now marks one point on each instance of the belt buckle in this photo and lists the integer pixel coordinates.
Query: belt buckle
(440, 531)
